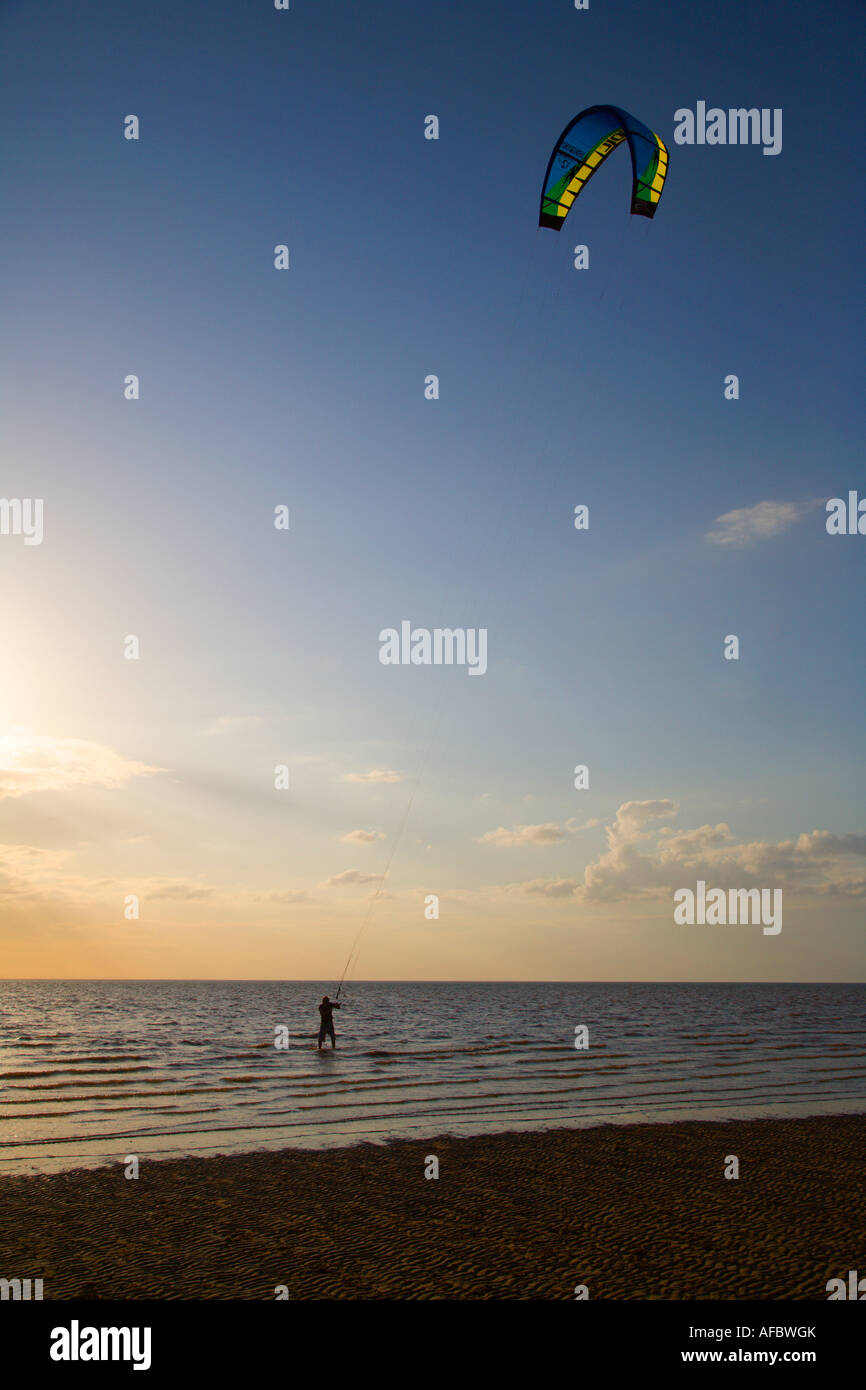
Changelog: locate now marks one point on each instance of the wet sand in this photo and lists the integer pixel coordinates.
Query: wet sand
(633, 1212)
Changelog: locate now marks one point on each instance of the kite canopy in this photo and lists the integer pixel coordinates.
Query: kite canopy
(584, 145)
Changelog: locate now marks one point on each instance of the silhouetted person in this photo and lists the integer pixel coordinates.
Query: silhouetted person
(326, 1027)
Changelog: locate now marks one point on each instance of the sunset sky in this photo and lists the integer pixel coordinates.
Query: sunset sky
(260, 647)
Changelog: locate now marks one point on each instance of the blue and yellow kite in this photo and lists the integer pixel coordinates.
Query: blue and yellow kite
(584, 145)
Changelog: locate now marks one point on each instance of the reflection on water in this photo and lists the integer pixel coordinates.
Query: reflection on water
(93, 1070)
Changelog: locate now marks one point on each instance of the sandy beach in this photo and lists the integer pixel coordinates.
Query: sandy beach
(633, 1212)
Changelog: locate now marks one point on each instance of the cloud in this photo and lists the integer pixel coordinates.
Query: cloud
(821, 843)
(688, 845)
(349, 876)
(747, 525)
(851, 888)
(177, 889)
(374, 775)
(27, 871)
(572, 826)
(623, 863)
(34, 763)
(522, 835)
(362, 837)
(645, 860)
(632, 816)
(228, 722)
(818, 862)
(548, 888)
(287, 896)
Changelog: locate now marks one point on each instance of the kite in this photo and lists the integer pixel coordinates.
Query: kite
(584, 145)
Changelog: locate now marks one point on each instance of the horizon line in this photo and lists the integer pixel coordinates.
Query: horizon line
(315, 980)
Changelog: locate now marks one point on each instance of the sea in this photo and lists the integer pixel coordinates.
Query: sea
(94, 1071)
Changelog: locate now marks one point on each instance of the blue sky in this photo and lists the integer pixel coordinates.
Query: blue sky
(411, 257)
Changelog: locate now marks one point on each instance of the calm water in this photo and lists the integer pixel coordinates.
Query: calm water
(93, 1070)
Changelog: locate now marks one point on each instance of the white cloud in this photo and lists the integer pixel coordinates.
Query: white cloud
(374, 775)
(747, 525)
(351, 876)
(549, 888)
(819, 862)
(228, 722)
(27, 870)
(29, 873)
(34, 763)
(623, 862)
(362, 837)
(178, 890)
(288, 896)
(647, 861)
(687, 845)
(522, 835)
